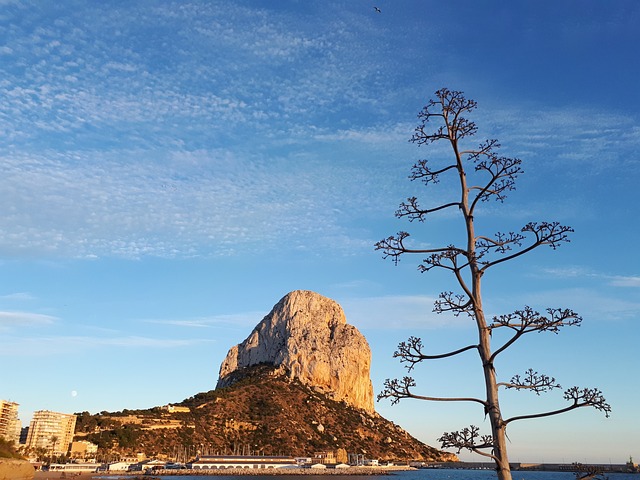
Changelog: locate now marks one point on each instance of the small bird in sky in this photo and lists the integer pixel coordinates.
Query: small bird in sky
(377, 10)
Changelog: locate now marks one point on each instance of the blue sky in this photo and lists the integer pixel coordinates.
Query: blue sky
(170, 170)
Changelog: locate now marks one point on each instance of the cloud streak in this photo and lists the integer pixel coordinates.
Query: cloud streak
(226, 140)
(56, 345)
(582, 272)
(396, 312)
(247, 319)
(622, 281)
(18, 296)
(9, 319)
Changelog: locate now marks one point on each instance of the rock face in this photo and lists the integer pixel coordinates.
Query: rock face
(16, 469)
(307, 336)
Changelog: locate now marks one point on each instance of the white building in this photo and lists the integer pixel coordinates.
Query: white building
(176, 409)
(52, 431)
(74, 467)
(9, 422)
(119, 466)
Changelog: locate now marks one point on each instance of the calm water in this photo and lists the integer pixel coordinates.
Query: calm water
(488, 474)
(418, 475)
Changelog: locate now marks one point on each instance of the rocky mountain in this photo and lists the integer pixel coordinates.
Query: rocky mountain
(297, 385)
(307, 337)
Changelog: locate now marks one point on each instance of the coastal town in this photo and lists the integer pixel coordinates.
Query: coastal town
(50, 443)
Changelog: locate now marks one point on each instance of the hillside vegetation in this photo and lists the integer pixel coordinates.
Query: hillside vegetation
(263, 413)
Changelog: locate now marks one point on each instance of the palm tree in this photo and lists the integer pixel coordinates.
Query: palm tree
(54, 441)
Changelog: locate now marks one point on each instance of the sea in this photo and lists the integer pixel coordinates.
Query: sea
(422, 474)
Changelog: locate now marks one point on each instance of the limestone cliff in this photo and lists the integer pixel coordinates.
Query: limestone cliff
(308, 337)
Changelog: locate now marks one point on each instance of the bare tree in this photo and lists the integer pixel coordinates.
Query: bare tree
(481, 175)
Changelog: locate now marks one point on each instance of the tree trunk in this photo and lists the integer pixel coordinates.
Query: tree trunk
(495, 416)
(498, 433)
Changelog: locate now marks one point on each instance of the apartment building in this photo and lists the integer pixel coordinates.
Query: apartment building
(52, 431)
(9, 422)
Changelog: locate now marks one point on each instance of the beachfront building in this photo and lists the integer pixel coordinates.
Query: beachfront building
(147, 465)
(9, 422)
(74, 468)
(52, 431)
(216, 462)
(121, 466)
(325, 458)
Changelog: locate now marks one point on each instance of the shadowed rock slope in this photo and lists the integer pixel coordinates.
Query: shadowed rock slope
(263, 412)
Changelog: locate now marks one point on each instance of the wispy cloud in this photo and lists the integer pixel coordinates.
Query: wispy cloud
(212, 206)
(230, 138)
(568, 272)
(621, 281)
(113, 154)
(194, 323)
(592, 303)
(82, 78)
(247, 319)
(24, 319)
(396, 312)
(583, 272)
(18, 296)
(42, 346)
(386, 135)
(587, 137)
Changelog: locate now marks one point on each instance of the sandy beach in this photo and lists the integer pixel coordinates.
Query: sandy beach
(54, 475)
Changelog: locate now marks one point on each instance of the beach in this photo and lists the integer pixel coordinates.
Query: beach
(40, 475)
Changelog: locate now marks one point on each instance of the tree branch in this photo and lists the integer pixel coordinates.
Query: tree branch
(411, 352)
(503, 172)
(394, 247)
(532, 381)
(450, 302)
(412, 210)
(552, 234)
(467, 439)
(421, 171)
(585, 397)
(447, 102)
(449, 254)
(529, 320)
(396, 390)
